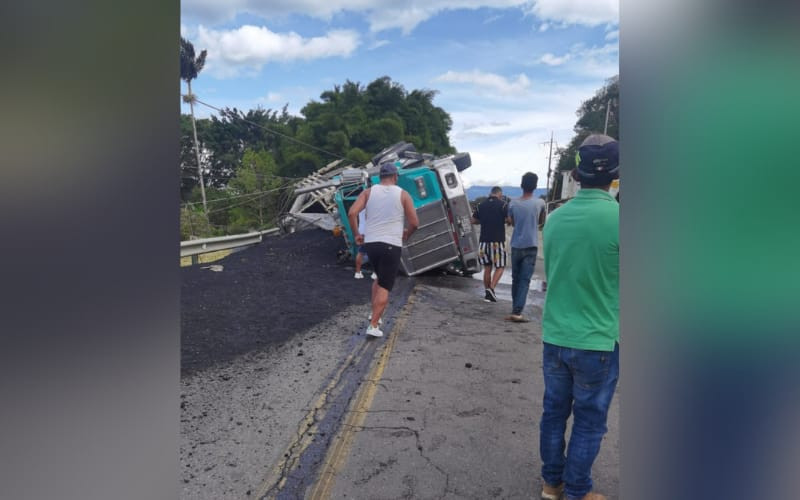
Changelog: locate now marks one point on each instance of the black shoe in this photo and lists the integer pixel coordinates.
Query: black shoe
(490, 296)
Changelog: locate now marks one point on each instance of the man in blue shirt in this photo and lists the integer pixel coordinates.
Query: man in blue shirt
(526, 214)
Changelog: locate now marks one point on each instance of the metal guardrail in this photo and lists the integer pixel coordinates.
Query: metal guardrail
(205, 245)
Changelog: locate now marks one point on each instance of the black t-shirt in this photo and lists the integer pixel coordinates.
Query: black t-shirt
(492, 216)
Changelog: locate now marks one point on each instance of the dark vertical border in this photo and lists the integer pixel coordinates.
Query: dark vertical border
(89, 326)
(709, 267)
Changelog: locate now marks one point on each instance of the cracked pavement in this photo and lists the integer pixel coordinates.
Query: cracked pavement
(456, 412)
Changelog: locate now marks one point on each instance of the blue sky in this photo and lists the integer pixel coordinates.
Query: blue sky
(509, 72)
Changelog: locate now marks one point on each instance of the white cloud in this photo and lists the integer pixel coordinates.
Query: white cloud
(553, 60)
(505, 139)
(406, 15)
(585, 12)
(248, 48)
(489, 81)
(593, 62)
(378, 43)
(612, 35)
(271, 97)
(492, 19)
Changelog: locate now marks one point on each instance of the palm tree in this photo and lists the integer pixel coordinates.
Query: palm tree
(190, 67)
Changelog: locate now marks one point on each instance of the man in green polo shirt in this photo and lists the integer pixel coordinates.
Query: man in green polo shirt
(580, 323)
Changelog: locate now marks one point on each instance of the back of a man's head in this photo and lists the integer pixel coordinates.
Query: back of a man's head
(497, 191)
(597, 161)
(529, 181)
(388, 172)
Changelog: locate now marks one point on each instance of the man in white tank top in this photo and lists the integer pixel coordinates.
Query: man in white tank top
(390, 220)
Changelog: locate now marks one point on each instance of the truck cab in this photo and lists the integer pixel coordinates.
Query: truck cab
(445, 237)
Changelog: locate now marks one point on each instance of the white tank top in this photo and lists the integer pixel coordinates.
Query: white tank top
(384, 216)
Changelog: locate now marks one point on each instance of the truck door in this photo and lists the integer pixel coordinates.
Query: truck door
(432, 244)
(461, 213)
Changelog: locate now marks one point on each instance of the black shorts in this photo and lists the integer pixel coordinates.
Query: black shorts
(385, 260)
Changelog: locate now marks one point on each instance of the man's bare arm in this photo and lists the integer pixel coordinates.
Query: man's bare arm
(412, 221)
(352, 216)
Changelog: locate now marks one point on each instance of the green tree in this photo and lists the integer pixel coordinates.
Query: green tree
(194, 224)
(301, 164)
(591, 120)
(349, 120)
(190, 67)
(358, 156)
(373, 117)
(254, 191)
(218, 201)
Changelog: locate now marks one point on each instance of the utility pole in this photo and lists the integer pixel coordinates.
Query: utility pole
(190, 98)
(549, 170)
(608, 110)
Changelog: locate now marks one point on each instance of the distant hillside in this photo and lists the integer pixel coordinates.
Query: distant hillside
(510, 191)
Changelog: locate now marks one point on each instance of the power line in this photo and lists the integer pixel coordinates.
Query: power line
(249, 198)
(257, 175)
(255, 193)
(264, 193)
(245, 195)
(223, 112)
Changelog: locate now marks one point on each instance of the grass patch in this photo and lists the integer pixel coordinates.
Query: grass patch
(205, 258)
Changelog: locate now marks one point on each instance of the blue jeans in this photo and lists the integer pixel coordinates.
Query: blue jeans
(523, 261)
(580, 382)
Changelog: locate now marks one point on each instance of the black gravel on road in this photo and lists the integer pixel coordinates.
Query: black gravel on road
(263, 296)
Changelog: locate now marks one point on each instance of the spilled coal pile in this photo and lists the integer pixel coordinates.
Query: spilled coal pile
(263, 296)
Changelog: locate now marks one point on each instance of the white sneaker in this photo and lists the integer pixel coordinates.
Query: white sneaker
(374, 332)
(380, 320)
(358, 275)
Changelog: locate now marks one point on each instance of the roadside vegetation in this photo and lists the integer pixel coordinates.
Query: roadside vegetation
(237, 167)
(598, 114)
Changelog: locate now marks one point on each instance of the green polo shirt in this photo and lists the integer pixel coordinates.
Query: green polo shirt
(581, 262)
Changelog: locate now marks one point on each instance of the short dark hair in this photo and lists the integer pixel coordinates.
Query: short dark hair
(388, 169)
(529, 181)
(497, 190)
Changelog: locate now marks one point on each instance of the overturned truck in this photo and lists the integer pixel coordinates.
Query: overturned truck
(445, 237)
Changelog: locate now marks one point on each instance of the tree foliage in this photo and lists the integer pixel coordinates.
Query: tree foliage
(190, 65)
(256, 186)
(591, 120)
(350, 121)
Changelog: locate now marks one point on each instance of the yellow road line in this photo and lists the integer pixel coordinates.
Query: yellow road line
(339, 452)
(305, 432)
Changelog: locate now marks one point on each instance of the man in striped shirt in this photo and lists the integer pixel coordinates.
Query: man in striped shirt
(491, 215)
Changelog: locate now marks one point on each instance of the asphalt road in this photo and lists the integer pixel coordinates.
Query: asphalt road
(446, 405)
(455, 411)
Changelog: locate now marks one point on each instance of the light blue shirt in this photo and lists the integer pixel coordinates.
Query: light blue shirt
(525, 214)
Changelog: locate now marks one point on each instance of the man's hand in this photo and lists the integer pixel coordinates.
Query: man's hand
(359, 239)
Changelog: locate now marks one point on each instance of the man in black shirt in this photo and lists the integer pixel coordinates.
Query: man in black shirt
(491, 215)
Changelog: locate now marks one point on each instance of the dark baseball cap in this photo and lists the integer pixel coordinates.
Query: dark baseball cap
(598, 160)
(388, 169)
